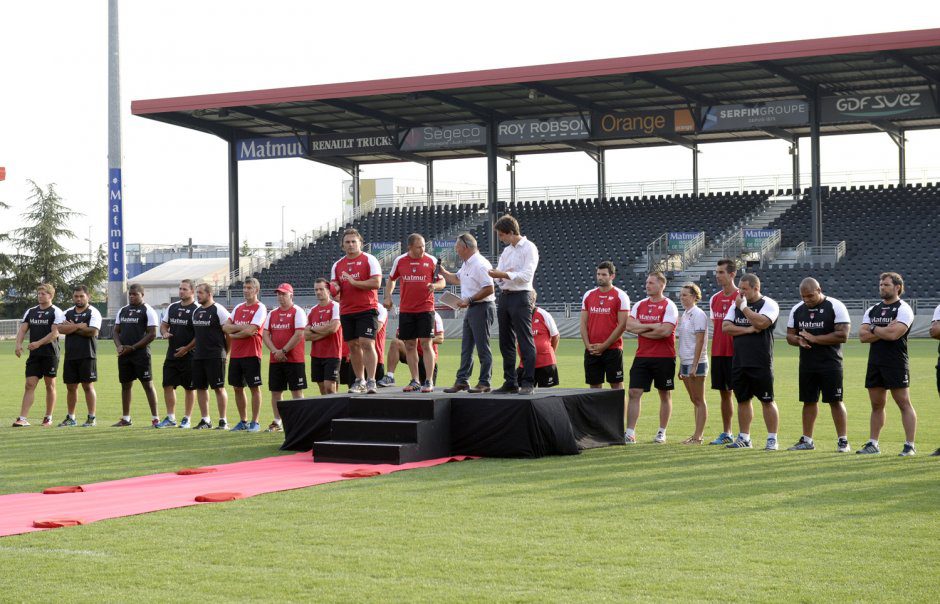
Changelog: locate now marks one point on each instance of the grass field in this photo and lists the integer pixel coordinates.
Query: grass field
(641, 523)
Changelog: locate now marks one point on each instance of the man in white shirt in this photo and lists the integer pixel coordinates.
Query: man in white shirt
(478, 297)
(514, 275)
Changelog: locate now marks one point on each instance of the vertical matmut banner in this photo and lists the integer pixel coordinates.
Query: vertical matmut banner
(115, 226)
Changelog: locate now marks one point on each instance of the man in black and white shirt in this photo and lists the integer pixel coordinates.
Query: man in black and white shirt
(885, 326)
(750, 321)
(176, 327)
(209, 355)
(82, 322)
(41, 323)
(134, 329)
(819, 325)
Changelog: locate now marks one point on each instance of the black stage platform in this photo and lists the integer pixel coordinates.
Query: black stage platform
(395, 427)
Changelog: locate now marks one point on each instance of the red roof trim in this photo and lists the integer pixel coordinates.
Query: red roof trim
(555, 71)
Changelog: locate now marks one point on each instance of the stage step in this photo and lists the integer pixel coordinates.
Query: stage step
(388, 430)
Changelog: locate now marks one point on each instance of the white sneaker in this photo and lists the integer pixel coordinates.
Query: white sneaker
(771, 445)
(842, 446)
(660, 438)
(357, 387)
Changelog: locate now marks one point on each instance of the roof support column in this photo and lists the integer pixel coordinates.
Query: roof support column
(902, 159)
(430, 182)
(512, 178)
(695, 169)
(601, 175)
(233, 260)
(816, 191)
(354, 172)
(795, 157)
(492, 183)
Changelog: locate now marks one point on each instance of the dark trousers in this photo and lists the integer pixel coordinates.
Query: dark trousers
(515, 324)
(477, 322)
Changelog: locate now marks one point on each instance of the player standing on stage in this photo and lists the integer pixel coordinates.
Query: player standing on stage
(751, 323)
(417, 272)
(514, 274)
(396, 355)
(209, 355)
(723, 345)
(653, 319)
(885, 326)
(82, 322)
(819, 325)
(283, 335)
(134, 329)
(41, 323)
(604, 313)
(546, 337)
(358, 277)
(935, 334)
(477, 296)
(176, 328)
(326, 339)
(243, 328)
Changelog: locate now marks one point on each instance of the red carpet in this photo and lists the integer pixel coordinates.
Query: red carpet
(26, 512)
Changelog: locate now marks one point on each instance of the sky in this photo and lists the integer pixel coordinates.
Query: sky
(54, 87)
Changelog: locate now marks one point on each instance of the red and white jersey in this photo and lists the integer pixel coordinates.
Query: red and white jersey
(352, 299)
(722, 345)
(603, 310)
(243, 314)
(648, 312)
(438, 330)
(380, 334)
(543, 330)
(281, 326)
(330, 346)
(414, 275)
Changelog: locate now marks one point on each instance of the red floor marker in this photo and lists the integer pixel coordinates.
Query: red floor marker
(61, 490)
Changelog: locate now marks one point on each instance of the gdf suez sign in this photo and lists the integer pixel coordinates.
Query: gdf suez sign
(900, 104)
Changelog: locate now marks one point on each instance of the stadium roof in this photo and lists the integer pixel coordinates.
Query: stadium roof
(749, 75)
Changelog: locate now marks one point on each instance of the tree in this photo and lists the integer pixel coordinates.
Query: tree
(40, 255)
(246, 249)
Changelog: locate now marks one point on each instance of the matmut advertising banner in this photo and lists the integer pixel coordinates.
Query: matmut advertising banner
(741, 117)
(633, 124)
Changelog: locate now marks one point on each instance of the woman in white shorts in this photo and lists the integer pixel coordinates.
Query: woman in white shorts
(692, 333)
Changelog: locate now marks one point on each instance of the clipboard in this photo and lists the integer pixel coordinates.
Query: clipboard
(450, 300)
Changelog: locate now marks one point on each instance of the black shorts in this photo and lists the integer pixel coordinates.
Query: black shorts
(826, 382)
(134, 367)
(244, 372)
(608, 364)
(938, 377)
(178, 372)
(753, 382)
(414, 325)
(653, 371)
(325, 370)
(878, 376)
(721, 373)
(41, 366)
(360, 325)
(80, 371)
(346, 375)
(286, 376)
(208, 373)
(545, 377)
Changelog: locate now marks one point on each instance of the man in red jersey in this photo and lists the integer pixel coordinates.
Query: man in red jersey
(546, 337)
(358, 277)
(654, 320)
(604, 312)
(326, 337)
(284, 336)
(723, 345)
(417, 272)
(244, 327)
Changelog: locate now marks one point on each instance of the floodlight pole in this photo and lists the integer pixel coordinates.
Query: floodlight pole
(695, 169)
(512, 178)
(233, 258)
(816, 192)
(902, 158)
(430, 182)
(492, 183)
(116, 260)
(601, 174)
(795, 153)
(354, 172)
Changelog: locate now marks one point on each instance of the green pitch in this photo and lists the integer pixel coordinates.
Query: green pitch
(645, 523)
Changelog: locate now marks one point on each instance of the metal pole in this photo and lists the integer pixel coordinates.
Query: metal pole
(282, 231)
(512, 179)
(232, 206)
(601, 175)
(902, 158)
(695, 169)
(795, 152)
(116, 260)
(492, 182)
(815, 194)
(430, 184)
(355, 183)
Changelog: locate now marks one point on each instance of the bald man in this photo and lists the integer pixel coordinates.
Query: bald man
(819, 325)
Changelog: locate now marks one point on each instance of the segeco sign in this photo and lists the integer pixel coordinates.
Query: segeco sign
(889, 105)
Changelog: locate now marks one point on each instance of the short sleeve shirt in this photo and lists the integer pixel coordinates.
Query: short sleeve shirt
(281, 326)
(414, 275)
(886, 353)
(78, 346)
(691, 323)
(207, 326)
(243, 314)
(134, 322)
(40, 321)
(648, 312)
(722, 344)
(603, 310)
(352, 299)
(543, 330)
(819, 320)
(179, 318)
(754, 349)
(329, 347)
